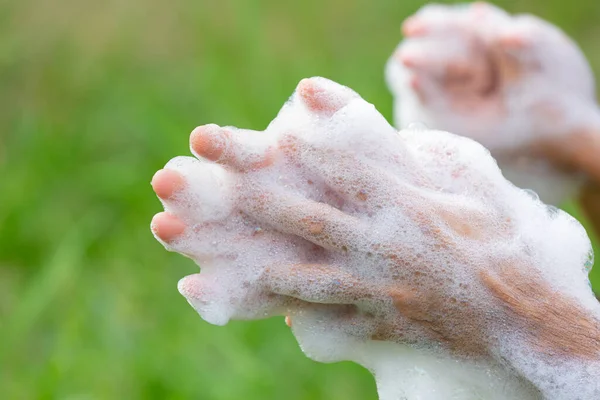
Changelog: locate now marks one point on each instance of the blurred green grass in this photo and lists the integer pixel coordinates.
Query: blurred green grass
(96, 96)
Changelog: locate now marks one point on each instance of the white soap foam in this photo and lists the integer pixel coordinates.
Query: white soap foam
(402, 194)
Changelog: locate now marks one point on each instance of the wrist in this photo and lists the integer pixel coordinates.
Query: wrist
(550, 338)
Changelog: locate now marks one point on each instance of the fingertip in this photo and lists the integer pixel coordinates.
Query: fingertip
(166, 183)
(322, 95)
(167, 227)
(312, 94)
(191, 287)
(306, 87)
(413, 26)
(408, 60)
(208, 141)
(288, 321)
(481, 8)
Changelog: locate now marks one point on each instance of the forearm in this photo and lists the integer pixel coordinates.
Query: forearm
(557, 377)
(552, 340)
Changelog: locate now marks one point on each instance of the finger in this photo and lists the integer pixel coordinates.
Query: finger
(316, 222)
(414, 26)
(506, 56)
(357, 181)
(240, 150)
(425, 58)
(436, 20)
(195, 191)
(166, 183)
(209, 298)
(482, 12)
(528, 45)
(447, 72)
(237, 240)
(167, 227)
(462, 73)
(374, 188)
(316, 283)
(324, 96)
(513, 41)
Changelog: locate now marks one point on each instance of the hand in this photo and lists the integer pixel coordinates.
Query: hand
(516, 84)
(412, 237)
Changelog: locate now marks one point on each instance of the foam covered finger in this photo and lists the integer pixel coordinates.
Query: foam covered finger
(241, 150)
(324, 96)
(466, 70)
(443, 20)
(433, 20)
(316, 222)
(529, 45)
(167, 227)
(431, 55)
(217, 301)
(357, 181)
(198, 191)
(316, 283)
(166, 183)
(414, 26)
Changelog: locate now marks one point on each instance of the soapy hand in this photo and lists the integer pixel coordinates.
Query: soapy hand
(335, 218)
(516, 84)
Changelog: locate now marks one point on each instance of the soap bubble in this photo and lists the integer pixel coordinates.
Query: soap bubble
(416, 126)
(532, 193)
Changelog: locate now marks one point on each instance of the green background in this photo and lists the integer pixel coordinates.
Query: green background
(97, 95)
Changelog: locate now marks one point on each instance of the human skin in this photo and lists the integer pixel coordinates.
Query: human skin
(553, 326)
(516, 84)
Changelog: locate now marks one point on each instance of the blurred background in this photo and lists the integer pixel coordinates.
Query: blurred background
(95, 97)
